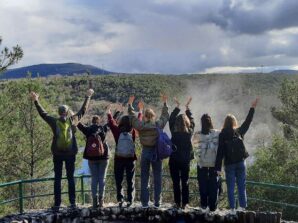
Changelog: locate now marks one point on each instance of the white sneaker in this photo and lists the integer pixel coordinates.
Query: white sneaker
(240, 209)
(232, 212)
(205, 210)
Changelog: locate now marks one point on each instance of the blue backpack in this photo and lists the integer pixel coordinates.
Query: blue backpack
(163, 145)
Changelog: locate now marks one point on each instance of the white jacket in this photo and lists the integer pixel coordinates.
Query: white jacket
(206, 153)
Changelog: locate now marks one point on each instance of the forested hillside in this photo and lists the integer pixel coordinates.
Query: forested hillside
(25, 137)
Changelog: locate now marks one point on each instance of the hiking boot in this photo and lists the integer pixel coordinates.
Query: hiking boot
(95, 202)
(176, 206)
(55, 208)
(100, 202)
(128, 204)
(72, 206)
(185, 206)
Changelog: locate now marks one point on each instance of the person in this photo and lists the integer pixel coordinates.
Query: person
(124, 136)
(232, 150)
(98, 166)
(182, 128)
(148, 134)
(208, 179)
(64, 145)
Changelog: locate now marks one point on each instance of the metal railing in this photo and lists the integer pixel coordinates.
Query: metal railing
(21, 196)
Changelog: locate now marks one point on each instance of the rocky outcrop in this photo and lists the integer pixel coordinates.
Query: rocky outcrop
(137, 214)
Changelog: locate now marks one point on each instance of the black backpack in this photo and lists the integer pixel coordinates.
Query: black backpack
(235, 149)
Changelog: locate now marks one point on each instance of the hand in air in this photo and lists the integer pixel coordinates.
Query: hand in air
(164, 98)
(34, 96)
(131, 99)
(177, 102)
(188, 102)
(141, 106)
(90, 92)
(255, 102)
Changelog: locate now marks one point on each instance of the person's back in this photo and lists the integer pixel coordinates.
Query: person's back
(208, 144)
(148, 134)
(64, 145)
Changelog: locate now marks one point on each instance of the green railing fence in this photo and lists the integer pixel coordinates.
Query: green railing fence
(21, 196)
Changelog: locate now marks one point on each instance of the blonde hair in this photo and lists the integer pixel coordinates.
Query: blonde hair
(182, 123)
(149, 114)
(230, 122)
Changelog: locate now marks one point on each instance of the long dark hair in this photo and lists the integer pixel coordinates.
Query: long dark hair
(124, 124)
(206, 124)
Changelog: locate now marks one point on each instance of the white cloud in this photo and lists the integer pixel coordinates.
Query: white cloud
(164, 36)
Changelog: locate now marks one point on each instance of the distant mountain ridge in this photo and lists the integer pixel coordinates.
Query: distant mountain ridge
(284, 72)
(44, 70)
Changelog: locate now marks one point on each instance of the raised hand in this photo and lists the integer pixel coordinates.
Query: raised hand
(131, 99)
(164, 98)
(34, 96)
(255, 102)
(141, 106)
(90, 92)
(188, 102)
(108, 108)
(177, 102)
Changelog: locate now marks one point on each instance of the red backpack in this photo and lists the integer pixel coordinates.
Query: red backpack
(94, 148)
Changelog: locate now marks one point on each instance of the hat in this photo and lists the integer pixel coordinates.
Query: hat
(63, 109)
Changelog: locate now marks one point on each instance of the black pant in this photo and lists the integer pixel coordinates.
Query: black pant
(127, 165)
(70, 167)
(180, 172)
(208, 186)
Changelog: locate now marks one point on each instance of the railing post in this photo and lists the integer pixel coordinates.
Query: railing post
(21, 204)
(82, 189)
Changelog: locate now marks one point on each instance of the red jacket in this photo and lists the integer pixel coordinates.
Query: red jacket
(116, 133)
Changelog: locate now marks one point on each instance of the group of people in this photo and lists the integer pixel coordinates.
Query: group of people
(214, 146)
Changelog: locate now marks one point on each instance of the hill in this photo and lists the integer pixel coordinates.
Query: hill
(45, 70)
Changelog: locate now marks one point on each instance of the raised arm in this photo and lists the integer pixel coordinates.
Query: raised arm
(83, 128)
(165, 116)
(41, 111)
(84, 107)
(245, 125)
(174, 114)
(189, 115)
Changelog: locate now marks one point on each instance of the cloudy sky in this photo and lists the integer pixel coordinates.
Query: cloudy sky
(159, 36)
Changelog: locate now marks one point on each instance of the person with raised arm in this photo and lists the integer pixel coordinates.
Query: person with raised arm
(231, 149)
(148, 134)
(125, 156)
(98, 163)
(64, 145)
(182, 128)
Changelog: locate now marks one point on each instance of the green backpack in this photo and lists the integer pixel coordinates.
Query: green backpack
(64, 135)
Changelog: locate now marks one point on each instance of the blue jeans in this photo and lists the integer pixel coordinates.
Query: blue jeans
(236, 173)
(70, 167)
(146, 161)
(98, 171)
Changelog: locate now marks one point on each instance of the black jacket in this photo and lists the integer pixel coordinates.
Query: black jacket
(182, 146)
(226, 135)
(101, 131)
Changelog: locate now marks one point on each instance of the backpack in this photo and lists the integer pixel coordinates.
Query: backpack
(64, 135)
(94, 147)
(235, 149)
(125, 146)
(164, 145)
